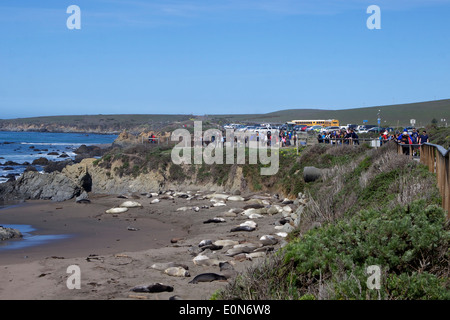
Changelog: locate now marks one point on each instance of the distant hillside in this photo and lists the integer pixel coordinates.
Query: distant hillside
(391, 115)
(93, 123)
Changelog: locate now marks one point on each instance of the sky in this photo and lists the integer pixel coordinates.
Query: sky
(219, 56)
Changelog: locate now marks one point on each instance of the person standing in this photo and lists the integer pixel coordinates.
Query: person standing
(423, 137)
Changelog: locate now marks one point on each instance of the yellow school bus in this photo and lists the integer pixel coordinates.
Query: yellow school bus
(323, 123)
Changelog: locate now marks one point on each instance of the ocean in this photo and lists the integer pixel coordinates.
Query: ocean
(24, 147)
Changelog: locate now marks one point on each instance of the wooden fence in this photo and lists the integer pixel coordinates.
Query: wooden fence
(437, 158)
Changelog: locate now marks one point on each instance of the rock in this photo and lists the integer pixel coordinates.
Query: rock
(9, 233)
(272, 210)
(30, 168)
(82, 197)
(58, 166)
(40, 161)
(311, 174)
(54, 186)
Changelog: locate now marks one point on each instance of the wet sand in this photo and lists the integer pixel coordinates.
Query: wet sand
(113, 259)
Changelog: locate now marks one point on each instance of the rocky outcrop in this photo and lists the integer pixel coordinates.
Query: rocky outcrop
(9, 233)
(34, 185)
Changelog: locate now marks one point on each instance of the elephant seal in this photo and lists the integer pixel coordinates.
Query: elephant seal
(249, 223)
(153, 288)
(212, 247)
(214, 220)
(130, 204)
(177, 272)
(226, 242)
(268, 240)
(163, 266)
(243, 228)
(205, 242)
(116, 210)
(208, 277)
(253, 206)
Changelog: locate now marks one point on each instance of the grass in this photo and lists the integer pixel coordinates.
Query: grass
(376, 209)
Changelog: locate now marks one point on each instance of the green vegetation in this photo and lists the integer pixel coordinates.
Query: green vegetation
(440, 136)
(372, 207)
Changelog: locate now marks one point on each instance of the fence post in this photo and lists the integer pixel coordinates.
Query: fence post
(446, 195)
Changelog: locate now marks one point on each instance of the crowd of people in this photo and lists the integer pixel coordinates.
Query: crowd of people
(350, 137)
(338, 137)
(412, 141)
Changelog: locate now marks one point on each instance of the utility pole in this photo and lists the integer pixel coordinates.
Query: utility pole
(379, 120)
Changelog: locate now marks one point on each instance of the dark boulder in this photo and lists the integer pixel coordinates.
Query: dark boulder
(40, 162)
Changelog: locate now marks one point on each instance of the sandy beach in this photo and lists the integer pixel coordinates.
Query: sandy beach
(115, 252)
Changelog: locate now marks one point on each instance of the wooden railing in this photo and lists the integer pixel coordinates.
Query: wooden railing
(437, 159)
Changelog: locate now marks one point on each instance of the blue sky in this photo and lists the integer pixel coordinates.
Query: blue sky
(219, 56)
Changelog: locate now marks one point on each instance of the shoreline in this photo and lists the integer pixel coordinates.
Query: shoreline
(114, 259)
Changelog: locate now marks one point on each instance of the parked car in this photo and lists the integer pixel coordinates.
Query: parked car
(365, 128)
(332, 128)
(314, 128)
(377, 129)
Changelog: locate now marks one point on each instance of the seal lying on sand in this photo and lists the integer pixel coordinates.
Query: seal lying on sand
(116, 210)
(130, 204)
(214, 220)
(163, 266)
(152, 288)
(207, 277)
(177, 272)
(243, 228)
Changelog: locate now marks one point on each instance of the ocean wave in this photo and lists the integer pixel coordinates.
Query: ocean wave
(52, 144)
